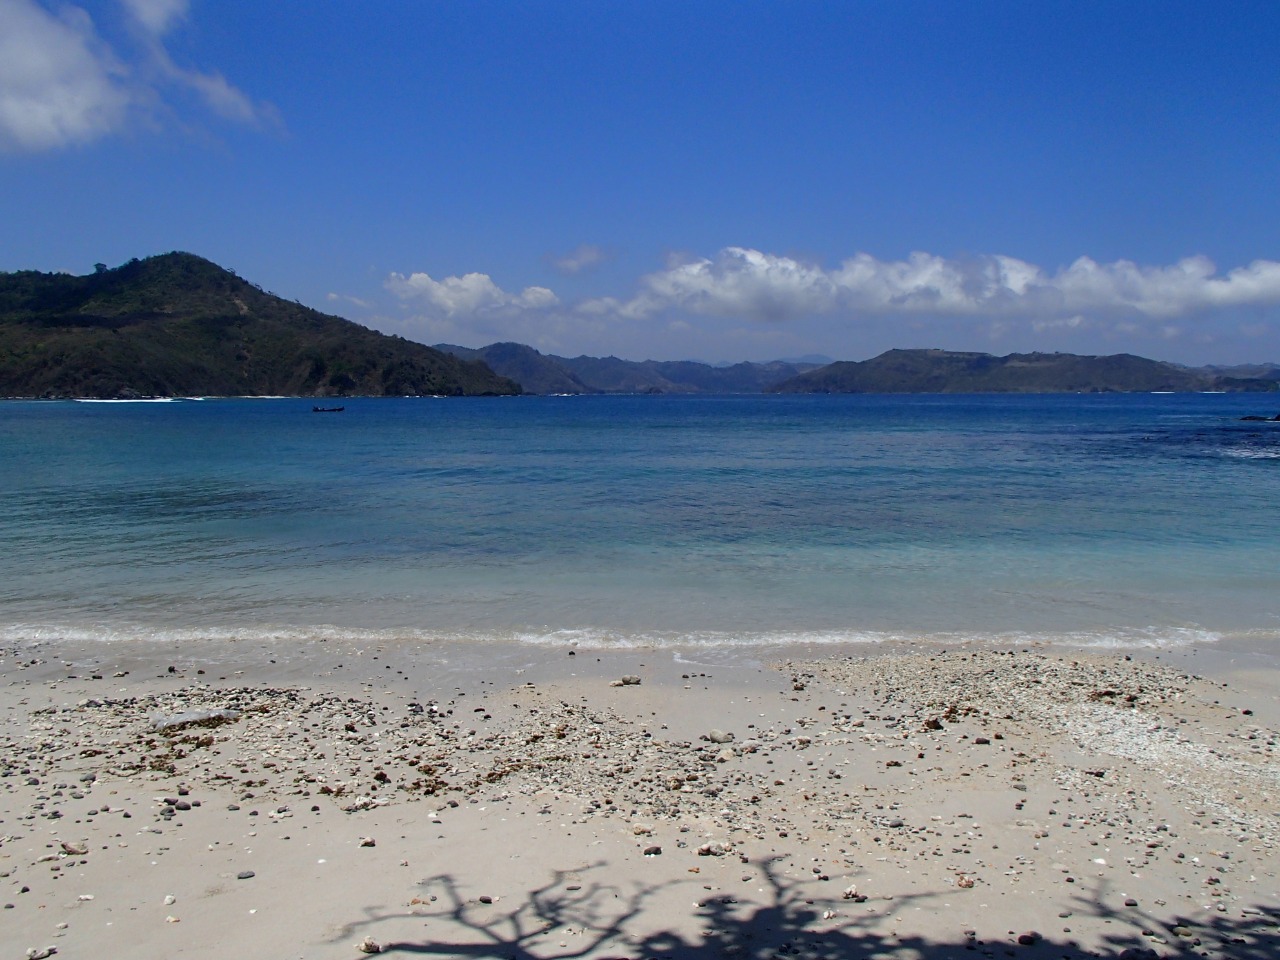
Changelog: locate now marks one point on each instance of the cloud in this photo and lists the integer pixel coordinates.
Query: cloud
(585, 256)
(472, 293)
(157, 16)
(59, 84)
(154, 18)
(752, 284)
(759, 299)
(63, 84)
(347, 298)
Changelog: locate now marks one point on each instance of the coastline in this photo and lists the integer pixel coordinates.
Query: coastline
(508, 800)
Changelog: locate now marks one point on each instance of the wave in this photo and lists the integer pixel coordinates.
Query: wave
(135, 400)
(1251, 453)
(1150, 637)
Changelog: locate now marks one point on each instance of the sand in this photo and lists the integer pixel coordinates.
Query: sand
(250, 800)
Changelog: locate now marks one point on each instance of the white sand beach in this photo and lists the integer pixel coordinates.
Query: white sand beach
(332, 802)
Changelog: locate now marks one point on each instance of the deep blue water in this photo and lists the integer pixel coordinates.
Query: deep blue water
(1100, 519)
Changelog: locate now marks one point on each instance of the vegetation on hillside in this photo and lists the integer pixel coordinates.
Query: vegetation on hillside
(179, 325)
(943, 371)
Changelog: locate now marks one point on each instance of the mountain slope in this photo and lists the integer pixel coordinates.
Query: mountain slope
(179, 325)
(542, 373)
(943, 371)
(534, 371)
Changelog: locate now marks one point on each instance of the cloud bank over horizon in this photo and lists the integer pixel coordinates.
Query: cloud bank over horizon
(769, 290)
(63, 84)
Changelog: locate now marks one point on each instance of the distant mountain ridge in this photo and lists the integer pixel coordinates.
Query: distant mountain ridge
(548, 374)
(943, 371)
(894, 371)
(180, 325)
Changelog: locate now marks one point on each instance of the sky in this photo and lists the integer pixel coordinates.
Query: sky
(705, 180)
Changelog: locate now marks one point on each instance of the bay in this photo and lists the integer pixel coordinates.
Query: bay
(744, 520)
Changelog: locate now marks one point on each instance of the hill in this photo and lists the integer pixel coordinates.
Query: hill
(179, 325)
(943, 371)
(535, 372)
(542, 373)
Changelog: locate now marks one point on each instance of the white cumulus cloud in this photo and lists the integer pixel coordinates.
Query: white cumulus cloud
(752, 284)
(62, 83)
(471, 293)
(59, 84)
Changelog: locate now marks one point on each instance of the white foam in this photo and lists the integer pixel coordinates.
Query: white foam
(138, 400)
(1249, 453)
(1151, 637)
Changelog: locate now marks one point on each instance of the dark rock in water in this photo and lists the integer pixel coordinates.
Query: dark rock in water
(1254, 418)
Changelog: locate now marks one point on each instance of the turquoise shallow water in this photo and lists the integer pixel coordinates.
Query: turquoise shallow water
(1106, 520)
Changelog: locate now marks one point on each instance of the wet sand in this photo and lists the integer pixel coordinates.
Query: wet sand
(325, 801)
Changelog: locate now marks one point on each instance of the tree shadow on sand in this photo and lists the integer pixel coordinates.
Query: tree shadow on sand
(570, 920)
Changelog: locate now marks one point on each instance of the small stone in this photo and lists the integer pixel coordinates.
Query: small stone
(720, 736)
(1130, 902)
(368, 842)
(369, 945)
(245, 875)
(653, 851)
(170, 899)
(75, 849)
(1029, 938)
(631, 681)
(171, 919)
(486, 899)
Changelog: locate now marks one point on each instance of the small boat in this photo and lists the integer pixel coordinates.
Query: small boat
(327, 409)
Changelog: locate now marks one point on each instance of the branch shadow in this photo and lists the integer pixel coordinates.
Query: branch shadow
(571, 921)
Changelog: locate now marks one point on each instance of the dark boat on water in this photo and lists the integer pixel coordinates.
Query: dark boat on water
(327, 409)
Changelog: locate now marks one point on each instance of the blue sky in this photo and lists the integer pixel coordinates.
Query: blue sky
(709, 180)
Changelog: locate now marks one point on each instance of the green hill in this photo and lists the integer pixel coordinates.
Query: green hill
(943, 371)
(179, 325)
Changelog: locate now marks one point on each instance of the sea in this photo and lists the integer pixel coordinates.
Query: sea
(639, 521)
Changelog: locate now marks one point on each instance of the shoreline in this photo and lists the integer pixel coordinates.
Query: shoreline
(865, 803)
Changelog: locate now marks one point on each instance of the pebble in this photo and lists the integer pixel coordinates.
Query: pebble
(245, 875)
(819, 771)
